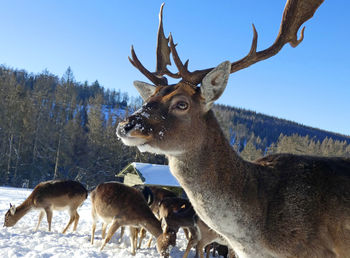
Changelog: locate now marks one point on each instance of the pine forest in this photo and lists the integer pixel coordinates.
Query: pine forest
(52, 127)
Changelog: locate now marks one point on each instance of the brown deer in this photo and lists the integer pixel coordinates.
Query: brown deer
(153, 195)
(120, 205)
(178, 212)
(159, 193)
(203, 237)
(49, 196)
(279, 206)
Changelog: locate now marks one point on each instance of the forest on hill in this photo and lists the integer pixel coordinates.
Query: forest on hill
(53, 127)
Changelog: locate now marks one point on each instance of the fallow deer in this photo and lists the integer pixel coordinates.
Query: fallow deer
(178, 212)
(279, 206)
(153, 195)
(120, 205)
(47, 197)
(204, 237)
(159, 193)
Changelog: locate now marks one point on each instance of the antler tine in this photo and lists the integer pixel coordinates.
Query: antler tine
(163, 57)
(296, 12)
(151, 76)
(194, 77)
(163, 50)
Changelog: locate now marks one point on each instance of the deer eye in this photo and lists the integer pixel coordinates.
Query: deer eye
(181, 105)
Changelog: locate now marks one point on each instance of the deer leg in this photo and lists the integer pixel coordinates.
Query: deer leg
(41, 215)
(142, 236)
(49, 217)
(122, 229)
(149, 242)
(71, 219)
(199, 249)
(112, 229)
(207, 250)
(133, 238)
(93, 228)
(190, 244)
(93, 232)
(104, 226)
(76, 221)
(187, 233)
(231, 253)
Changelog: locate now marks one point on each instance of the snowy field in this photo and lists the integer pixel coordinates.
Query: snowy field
(22, 241)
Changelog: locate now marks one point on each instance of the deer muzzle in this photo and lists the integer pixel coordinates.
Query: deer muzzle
(132, 131)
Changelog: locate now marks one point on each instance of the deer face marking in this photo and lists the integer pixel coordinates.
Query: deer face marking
(173, 115)
(169, 113)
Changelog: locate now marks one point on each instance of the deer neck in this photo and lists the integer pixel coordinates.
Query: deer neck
(213, 174)
(209, 163)
(153, 226)
(23, 209)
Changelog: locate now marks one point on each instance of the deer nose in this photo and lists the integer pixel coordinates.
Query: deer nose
(125, 126)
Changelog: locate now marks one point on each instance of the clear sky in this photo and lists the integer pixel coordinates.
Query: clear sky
(309, 84)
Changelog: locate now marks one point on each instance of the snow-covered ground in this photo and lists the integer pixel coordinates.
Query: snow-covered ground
(22, 241)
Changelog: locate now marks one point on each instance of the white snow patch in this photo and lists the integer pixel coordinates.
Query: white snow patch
(155, 174)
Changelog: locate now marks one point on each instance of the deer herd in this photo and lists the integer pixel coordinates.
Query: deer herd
(143, 208)
(281, 205)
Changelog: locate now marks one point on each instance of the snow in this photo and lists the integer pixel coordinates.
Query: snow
(156, 174)
(22, 241)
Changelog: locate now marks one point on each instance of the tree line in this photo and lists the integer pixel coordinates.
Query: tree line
(53, 127)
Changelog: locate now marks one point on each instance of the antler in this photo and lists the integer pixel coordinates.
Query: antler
(295, 13)
(163, 58)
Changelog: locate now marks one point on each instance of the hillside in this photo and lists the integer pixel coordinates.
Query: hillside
(269, 127)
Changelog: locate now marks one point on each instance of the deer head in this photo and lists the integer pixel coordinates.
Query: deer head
(173, 114)
(10, 219)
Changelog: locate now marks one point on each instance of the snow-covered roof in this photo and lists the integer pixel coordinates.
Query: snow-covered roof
(156, 174)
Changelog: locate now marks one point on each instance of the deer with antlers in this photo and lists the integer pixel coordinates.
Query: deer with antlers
(279, 206)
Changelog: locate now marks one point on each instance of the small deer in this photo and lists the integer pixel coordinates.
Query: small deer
(120, 205)
(204, 236)
(282, 205)
(178, 212)
(159, 193)
(47, 197)
(153, 195)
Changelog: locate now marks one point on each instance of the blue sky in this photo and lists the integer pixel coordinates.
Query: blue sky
(309, 84)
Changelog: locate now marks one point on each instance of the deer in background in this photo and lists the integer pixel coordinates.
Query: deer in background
(178, 212)
(159, 193)
(47, 197)
(153, 195)
(120, 205)
(282, 205)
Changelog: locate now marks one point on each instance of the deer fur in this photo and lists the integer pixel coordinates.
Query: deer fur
(279, 206)
(178, 212)
(120, 205)
(153, 195)
(47, 197)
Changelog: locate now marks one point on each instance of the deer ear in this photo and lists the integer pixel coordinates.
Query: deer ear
(214, 83)
(12, 209)
(146, 90)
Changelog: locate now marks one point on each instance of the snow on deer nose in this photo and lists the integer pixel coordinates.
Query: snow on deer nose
(133, 130)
